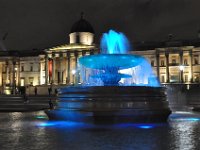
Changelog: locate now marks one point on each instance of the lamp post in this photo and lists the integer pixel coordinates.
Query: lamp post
(73, 73)
(181, 68)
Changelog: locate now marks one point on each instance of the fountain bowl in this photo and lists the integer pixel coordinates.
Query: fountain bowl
(105, 61)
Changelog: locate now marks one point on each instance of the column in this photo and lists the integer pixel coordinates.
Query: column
(53, 67)
(7, 71)
(13, 77)
(46, 69)
(181, 57)
(68, 67)
(181, 63)
(158, 64)
(18, 73)
(76, 68)
(1, 75)
(167, 65)
(191, 65)
(83, 53)
(60, 68)
(41, 72)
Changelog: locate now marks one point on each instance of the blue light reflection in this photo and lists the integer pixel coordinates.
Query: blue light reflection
(189, 119)
(145, 126)
(139, 125)
(61, 124)
(41, 117)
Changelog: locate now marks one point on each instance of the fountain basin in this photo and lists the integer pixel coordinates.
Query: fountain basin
(111, 61)
(111, 104)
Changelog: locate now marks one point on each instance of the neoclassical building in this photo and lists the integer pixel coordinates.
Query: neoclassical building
(19, 68)
(55, 65)
(60, 64)
(172, 61)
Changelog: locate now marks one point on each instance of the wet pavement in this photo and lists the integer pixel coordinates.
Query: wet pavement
(33, 131)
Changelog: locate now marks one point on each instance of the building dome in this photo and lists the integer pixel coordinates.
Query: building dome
(82, 26)
(81, 32)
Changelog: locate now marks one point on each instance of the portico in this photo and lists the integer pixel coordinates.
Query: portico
(60, 61)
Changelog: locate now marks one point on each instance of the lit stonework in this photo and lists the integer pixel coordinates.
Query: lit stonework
(29, 71)
(175, 64)
(59, 65)
(61, 62)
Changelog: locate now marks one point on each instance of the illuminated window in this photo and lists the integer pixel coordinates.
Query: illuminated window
(186, 78)
(152, 63)
(173, 61)
(22, 68)
(196, 61)
(31, 68)
(185, 62)
(196, 78)
(162, 63)
(31, 80)
(22, 82)
(174, 78)
(162, 79)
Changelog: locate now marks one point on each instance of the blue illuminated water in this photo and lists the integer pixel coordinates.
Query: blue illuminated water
(114, 43)
(114, 66)
(31, 131)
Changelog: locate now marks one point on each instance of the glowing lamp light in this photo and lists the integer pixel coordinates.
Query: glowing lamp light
(181, 67)
(15, 68)
(73, 71)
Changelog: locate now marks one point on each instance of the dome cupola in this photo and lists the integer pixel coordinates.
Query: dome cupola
(81, 32)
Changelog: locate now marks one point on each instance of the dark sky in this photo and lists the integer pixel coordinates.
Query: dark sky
(45, 23)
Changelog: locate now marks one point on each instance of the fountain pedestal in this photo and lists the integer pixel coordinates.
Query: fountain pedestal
(111, 103)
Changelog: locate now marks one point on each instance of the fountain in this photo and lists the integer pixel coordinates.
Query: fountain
(117, 87)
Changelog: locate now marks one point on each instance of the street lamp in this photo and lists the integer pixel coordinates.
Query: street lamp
(181, 68)
(73, 73)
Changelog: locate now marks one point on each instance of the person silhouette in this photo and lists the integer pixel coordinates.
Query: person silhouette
(35, 90)
(49, 90)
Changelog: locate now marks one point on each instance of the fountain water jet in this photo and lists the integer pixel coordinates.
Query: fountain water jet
(109, 66)
(111, 98)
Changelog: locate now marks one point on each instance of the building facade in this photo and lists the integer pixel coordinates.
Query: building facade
(173, 63)
(61, 62)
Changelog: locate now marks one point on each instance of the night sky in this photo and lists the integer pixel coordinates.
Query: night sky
(39, 24)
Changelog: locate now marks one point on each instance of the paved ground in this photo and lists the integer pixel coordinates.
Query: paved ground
(19, 103)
